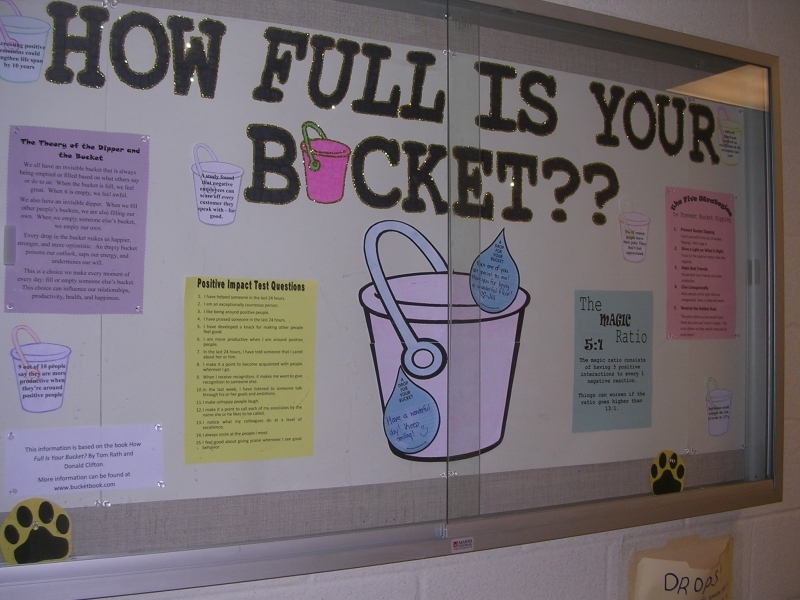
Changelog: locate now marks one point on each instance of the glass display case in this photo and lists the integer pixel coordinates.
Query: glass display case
(300, 286)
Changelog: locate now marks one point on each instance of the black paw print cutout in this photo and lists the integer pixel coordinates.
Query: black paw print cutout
(36, 530)
(667, 473)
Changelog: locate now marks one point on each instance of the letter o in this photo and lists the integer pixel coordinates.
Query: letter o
(639, 97)
(120, 31)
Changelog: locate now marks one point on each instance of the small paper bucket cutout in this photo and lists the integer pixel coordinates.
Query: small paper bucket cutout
(41, 372)
(633, 228)
(730, 138)
(718, 407)
(216, 188)
(22, 45)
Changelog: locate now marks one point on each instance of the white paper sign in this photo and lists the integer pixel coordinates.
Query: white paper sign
(691, 568)
(40, 462)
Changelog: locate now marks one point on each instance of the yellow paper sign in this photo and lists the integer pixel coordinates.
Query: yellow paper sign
(689, 568)
(249, 368)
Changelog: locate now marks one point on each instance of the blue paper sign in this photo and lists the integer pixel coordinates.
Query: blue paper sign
(613, 385)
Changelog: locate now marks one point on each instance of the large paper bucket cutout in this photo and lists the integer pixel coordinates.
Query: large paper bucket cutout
(41, 372)
(718, 408)
(633, 228)
(216, 188)
(22, 46)
(326, 168)
(408, 315)
(730, 138)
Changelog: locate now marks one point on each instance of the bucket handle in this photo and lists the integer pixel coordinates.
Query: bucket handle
(622, 202)
(313, 163)
(7, 38)
(33, 372)
(709, 389)
(412, 345)
(197, 162)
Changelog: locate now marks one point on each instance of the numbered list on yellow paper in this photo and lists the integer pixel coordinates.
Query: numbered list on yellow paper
(249, 369)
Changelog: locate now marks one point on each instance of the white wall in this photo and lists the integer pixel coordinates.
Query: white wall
(595, 567)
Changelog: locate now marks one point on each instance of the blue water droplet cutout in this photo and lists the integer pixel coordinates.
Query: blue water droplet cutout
(494, 277)
(411, 418)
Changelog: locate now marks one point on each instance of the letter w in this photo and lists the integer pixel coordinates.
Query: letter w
(186, 62)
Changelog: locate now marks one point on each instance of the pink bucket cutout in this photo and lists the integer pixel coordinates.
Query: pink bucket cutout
(411, 316)
(326, 167)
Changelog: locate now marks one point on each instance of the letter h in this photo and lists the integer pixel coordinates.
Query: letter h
(63, 44)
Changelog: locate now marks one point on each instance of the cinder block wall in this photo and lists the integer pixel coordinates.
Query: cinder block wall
(595, 567)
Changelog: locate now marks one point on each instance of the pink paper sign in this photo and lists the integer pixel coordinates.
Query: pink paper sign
(701, 277)
(75, 226)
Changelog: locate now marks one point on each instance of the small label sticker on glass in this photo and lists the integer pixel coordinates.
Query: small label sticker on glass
(466, 544)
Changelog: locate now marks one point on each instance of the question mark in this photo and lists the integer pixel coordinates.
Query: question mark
(601, 197)
(549, 167)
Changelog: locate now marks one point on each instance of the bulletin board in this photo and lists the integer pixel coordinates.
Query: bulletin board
(288, 269)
